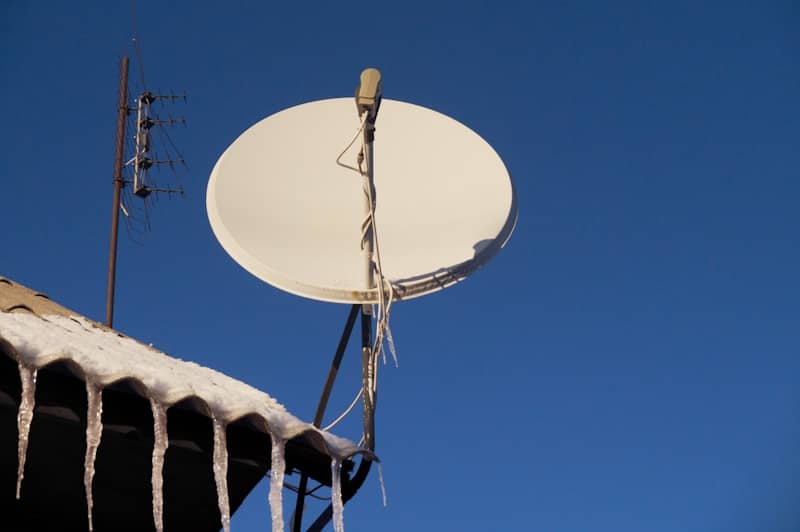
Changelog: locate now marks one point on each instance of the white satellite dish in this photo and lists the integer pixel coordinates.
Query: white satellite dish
(300, 208)
(283, 208)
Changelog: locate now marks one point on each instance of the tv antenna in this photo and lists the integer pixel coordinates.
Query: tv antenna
(368, 229)
(144, 159)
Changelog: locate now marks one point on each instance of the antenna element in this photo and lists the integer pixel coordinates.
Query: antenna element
(142, 162)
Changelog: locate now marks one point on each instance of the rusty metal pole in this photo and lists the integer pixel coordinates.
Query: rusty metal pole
(122, 114)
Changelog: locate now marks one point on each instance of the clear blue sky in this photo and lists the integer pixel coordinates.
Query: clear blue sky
(630, 362)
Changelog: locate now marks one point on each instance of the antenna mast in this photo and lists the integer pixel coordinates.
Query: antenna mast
(142, 184)
(122, 113)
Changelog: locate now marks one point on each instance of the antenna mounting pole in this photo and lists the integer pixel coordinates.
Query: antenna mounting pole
(122, 113)
(368, 101)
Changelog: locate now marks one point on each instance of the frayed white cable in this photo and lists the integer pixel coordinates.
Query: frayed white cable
(355, 137)
(345, 413)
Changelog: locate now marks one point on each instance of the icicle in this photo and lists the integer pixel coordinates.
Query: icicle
(336, 495)
(392, 348)
(383, 484)
(24, 417)
(159, 448)
(221, 473)
(94, 430)
(277, 470)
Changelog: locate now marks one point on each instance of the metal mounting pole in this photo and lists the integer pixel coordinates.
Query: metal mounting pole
(369, 199)
(367, 376)
(368, 102)
(367, 360)
(337, 361)
(122, 113)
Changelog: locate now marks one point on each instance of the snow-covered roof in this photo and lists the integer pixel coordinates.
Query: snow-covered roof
(42, 332)
(37, 332)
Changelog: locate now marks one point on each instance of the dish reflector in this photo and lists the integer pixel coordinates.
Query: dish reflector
(282, 208)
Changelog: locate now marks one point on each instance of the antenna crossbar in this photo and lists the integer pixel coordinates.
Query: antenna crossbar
(142, 160)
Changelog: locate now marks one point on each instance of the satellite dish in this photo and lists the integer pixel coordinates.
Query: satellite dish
(419, 204)
(283, 208)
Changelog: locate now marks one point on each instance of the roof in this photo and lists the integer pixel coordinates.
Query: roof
(17, 298)
(42, 332)
(66, 348)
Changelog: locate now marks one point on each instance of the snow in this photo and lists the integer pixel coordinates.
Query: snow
(160, 444)
(278, 469)
(336, 495)
(94, 431)
(221, 473)
(106, 356)
(24, 417)
(383, 484)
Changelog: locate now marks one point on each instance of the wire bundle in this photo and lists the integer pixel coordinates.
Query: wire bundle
(386, 290)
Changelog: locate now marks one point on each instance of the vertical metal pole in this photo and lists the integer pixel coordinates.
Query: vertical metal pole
(368, 376)
(367, 361)
(369, 199)
(122, 113)
(137, 156)
(369, 395)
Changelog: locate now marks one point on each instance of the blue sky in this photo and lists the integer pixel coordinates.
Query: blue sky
(629, 362)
